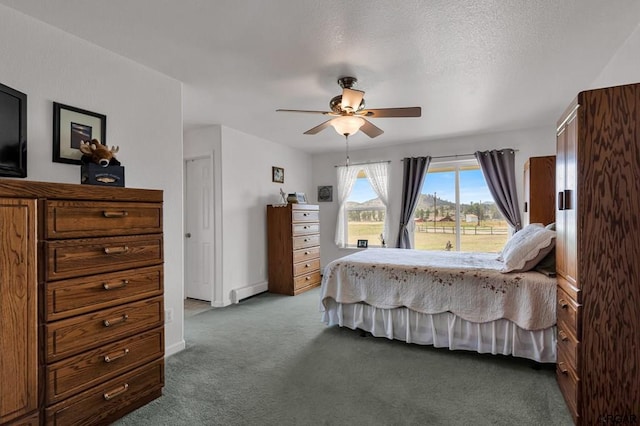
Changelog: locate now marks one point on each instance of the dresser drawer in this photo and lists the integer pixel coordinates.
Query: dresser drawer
(305, 228)
(569, 385)
(306, 254)
(81, 295)
(76, 219)
(306, 241)
(567, 312)
(307, 280)
(568, 345)
(102, 402)
(305, 216)
(306, 267)
(74, 258)
(88, 369)
(75, 335)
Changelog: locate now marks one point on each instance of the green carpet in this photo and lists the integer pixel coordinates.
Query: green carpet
(270, 361)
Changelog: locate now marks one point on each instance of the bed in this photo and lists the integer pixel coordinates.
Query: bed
(454, 300)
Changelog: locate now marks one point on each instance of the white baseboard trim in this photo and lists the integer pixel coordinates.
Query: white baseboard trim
(237, 294)
(174, 349)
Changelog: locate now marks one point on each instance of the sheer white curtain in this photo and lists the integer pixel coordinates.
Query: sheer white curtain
(378, 175)
(346, 179)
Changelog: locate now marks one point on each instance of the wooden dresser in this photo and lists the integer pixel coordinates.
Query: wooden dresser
(100, 299)
(597, 252)
(539, 190)
(293, 234)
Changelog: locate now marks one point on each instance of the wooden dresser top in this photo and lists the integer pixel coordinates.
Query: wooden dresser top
(65, 191)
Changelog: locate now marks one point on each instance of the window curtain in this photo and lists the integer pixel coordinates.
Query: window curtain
(498, 168)
(378, 176)
(414, 171)
(346, 179)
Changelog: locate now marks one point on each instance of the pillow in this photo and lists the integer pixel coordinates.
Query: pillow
(513, 242)
(547, 265)
(551, 226)
(527, 248)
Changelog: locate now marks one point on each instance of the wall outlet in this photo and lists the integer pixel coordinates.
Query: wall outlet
(168, 316)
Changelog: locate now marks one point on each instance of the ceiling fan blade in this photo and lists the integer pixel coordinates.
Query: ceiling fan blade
(392, 112)
(318, 128)
(306, 111)
(351, 99)
(370, 130)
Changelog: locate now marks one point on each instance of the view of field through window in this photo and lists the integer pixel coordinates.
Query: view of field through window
(481, 227)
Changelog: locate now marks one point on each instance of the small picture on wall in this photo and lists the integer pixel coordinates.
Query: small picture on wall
(325, 193)
(277, 174)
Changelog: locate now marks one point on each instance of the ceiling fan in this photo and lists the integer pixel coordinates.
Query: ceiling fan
(350, 115)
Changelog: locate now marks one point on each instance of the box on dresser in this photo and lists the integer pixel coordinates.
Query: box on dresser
(293, 239)
(100, 296)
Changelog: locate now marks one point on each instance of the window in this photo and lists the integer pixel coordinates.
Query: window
(456, 211)
(365, 213)
(362, 192)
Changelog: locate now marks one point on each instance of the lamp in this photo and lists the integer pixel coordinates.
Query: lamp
(347, 125)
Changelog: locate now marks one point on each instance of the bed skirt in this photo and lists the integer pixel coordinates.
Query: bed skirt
(444, 330)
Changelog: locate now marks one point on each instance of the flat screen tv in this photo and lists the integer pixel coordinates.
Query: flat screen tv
(13, 132)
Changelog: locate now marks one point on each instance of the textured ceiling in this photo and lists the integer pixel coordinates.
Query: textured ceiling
(474, 66)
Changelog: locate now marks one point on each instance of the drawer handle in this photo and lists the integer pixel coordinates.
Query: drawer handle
(306, 252)
(121, 284)
(563, 303)
(110, 395)
(563, 336)
(116, 250)
(306, 265)
(119, 320)
(307, 278)
(305, 214)
(122, 213)
(305, 227)
(562, 368)
(306, 240)
(108, 358)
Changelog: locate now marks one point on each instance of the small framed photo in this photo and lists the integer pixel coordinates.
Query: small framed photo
(302, 198)
(277, 174)
(71, 126)
(363, 243)
(325, 193)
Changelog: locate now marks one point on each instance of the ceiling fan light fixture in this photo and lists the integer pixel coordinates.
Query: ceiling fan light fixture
(347, 125)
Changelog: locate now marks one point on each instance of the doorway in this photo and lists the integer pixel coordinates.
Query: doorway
(199, 229)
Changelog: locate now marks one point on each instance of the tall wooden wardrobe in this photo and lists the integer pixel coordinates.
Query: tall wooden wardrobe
(597, 255)
(539, 184)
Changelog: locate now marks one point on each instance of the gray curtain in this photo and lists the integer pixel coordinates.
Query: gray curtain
(498, 168)
(414, 170)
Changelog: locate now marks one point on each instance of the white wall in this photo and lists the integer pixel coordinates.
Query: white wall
(243, 188)
(529, 143)
(624, 66)
(144, 117)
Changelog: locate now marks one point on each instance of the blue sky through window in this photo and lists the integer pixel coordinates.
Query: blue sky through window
(472, 187)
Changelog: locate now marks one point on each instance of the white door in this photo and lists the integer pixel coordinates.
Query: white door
(199, 229)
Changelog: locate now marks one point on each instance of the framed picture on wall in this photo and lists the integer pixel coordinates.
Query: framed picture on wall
(277, 174)
(71, 126)
(325, 193)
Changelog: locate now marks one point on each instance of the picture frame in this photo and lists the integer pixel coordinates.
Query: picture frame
(302, 197)
(72, 125)
(363, 243)
(325, 193)
(277, 174)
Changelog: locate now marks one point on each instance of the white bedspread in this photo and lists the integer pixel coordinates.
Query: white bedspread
(466, 284)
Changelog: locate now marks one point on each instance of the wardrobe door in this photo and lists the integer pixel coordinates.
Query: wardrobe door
(18, 309)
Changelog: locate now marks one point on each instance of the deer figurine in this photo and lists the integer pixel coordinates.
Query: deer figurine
(100, 154)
